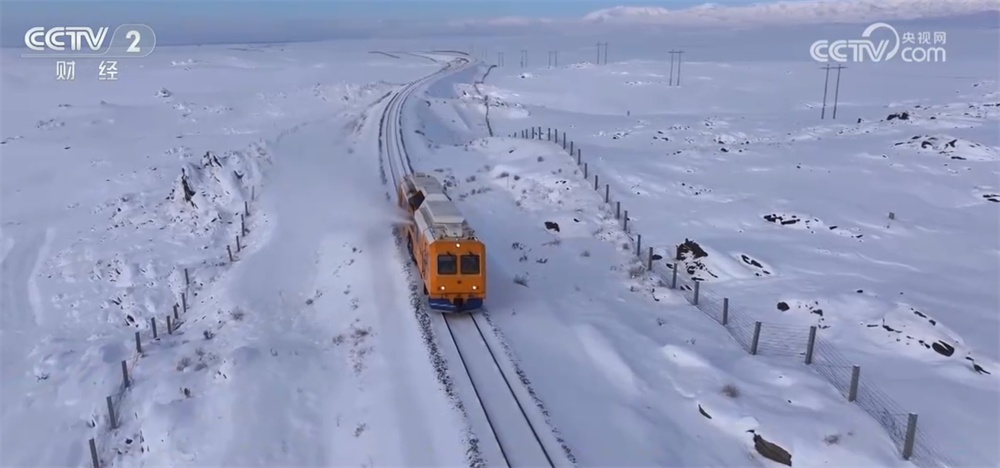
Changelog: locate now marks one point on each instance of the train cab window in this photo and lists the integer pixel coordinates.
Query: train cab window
(416, 200)
(470, 264)
(447, 264)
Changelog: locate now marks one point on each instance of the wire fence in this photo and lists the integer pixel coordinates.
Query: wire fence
(767, 339)
(99, 447)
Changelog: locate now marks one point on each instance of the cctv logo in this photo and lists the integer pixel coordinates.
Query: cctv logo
(133, 40)
(823, 50)
(38, 39)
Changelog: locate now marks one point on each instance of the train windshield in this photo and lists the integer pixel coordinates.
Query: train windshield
(470, 264)
(447, 264)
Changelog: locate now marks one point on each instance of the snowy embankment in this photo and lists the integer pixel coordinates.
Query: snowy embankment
(879, 228)
(565, 296)
(112, 189)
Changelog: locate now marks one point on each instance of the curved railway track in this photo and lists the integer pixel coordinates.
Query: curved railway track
(511, 429)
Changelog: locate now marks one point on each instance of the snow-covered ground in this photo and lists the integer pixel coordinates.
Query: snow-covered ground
(305, 351)
(299, 353)
(793, 213)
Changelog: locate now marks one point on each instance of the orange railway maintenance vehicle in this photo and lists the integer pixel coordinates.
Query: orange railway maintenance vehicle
(451, 260)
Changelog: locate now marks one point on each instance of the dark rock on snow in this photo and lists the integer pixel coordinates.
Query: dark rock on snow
(771, 450)
(690, 246)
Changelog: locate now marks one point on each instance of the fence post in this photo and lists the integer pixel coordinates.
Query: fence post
(756, 338)
(239, 247)
(564, 141)
(243, 224)
(539, 132)
(673, 281)
(125, 378)
(246, 207)
(184, 302)
(595, 182)
(585, 170)
(626, 221)
(253, 192)
(649, 262)
(618, 210)
(578, 156)
(697, 289)
(725, 311)
(176, 315)
(571, 148)
(607, 193)
(810, 345)
(93, 454)
(852, 394)
(187, 278)
(549, 134)
(111, 413)
(170, 327)
(153, 322)
(230, 251)
(911, 434)
(138, 343)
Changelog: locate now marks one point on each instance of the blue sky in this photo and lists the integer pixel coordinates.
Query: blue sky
(259, 9)
(175, 21)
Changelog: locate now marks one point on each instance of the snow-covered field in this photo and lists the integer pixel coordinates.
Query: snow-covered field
(793, 213)
(305, 350)
(299, 353)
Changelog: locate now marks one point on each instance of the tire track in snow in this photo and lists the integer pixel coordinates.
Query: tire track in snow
(20, 307)
(20, 300)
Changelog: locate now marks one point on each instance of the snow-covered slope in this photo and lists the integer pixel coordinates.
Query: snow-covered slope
(305, 349)
(793, 213)
(296, 354)
(792, 12)
(779, 13)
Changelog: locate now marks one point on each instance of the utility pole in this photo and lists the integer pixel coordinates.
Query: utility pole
(678, 53)
(826, 86)
(599, 44)
(836, 92)
(671, 68)
(524, 58)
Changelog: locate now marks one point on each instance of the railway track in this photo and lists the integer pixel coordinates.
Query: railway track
(511, 429)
